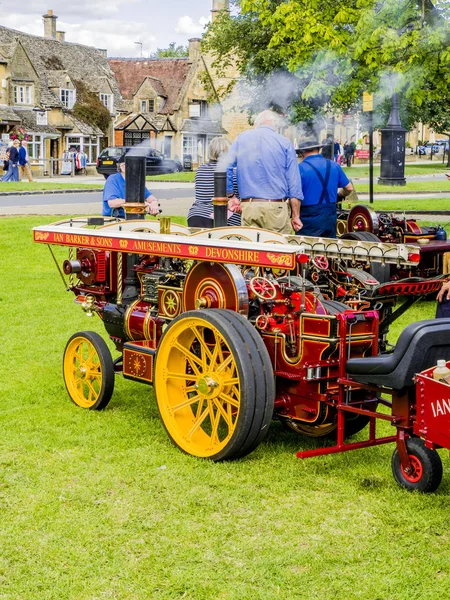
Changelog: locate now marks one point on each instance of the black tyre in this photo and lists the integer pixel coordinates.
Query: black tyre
(214, 384)
(380, 272)
(88, 370)
(426, 474)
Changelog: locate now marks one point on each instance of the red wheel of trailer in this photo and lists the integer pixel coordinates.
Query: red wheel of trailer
(426, 467)
(416, 470)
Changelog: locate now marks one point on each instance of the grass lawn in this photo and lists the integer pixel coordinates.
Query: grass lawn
(352, 173)
(426, 168)
(400, 204)
(184, 177)
(411, 186)
(101, 505)
(12, 186)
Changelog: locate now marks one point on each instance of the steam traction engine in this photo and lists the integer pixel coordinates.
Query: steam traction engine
(231, 333)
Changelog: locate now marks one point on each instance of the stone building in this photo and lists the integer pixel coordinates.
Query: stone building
(168, 104)
(39, 78)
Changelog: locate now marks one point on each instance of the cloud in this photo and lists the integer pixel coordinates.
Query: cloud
(187, 26)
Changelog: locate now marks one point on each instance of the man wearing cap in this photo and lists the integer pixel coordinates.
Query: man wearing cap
(114, 195)
(322, 181)
(267, 176)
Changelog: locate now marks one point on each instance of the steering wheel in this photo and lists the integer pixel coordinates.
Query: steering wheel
(321, 263)
(263, 288)
(385, 219)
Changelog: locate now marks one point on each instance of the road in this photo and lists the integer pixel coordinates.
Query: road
(174, 201)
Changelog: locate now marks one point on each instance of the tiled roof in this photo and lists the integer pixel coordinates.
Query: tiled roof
(157, 86)
(171, 72)
(7, 114)
(159, 122)
(49, 55)
(85, 128)
(28, 119)
(202, 126)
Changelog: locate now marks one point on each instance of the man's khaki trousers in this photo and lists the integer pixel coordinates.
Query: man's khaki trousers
(25, 170)
(267, 215)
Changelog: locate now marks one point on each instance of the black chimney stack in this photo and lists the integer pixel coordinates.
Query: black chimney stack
(220, 200)
(135, 183)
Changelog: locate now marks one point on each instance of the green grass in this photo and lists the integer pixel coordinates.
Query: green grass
(411, 186)
(101, 505)
(12, 186)
(184, 177)
(426, 168)
(400, 204)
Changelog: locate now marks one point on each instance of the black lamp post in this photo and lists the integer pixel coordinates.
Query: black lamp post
(393, 149)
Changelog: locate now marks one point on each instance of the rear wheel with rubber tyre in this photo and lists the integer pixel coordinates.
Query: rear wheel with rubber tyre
(382, 273)
(214, 384)
(426, 467)
(88, 370)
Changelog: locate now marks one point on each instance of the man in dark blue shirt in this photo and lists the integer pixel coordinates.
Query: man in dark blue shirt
(114, 195)
(267, 177)
(321, 180)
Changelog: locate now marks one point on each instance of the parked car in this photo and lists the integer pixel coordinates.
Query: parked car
(157, 163)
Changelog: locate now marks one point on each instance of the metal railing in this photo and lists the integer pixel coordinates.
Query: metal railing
(48, 164)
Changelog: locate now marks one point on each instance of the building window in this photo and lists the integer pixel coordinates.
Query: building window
(108, 101)
(144, 106)
(147, 104)
(87, 144)
(35, 147)
(68, 97)
(198, 109)
(135, 138)
(151, 106)
(22, 94)
(190, 146)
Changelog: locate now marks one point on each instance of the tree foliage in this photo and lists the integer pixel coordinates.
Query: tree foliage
(173, 51)
(90, 109)
(336, 49)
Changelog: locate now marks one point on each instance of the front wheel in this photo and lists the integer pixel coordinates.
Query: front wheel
(426, 467)
(88, 370)
(214, 384)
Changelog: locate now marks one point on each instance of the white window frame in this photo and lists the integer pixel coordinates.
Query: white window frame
(91, 147)
(108, 101)
(68, 97)
(189, 146)
(194, 110)
(23, 94)
(143, 104)
(36, 147)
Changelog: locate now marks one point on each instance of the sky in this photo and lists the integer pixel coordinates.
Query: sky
(113, 24)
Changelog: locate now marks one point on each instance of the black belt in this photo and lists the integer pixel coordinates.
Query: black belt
(262, 200)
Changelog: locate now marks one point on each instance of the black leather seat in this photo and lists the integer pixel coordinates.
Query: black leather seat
(418, 348)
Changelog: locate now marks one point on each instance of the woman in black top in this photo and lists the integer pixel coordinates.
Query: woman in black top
(201, 213)
(13, 168)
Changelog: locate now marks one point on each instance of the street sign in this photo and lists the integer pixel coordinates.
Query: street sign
(367, 102)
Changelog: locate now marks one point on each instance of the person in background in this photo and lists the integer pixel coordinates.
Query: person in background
(201, 213)
(348, 153)
(114, 195)
(268, 179)
(337, 150)
(24, 163)
(443, 298)
(322, 180)
(13, 170)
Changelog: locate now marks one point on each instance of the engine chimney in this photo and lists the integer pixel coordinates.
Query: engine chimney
(50, 24)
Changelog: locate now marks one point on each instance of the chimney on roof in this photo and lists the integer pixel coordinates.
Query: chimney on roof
(103, 52)
(61, 36)
(194, 49)
(218, 6)
(50, 24)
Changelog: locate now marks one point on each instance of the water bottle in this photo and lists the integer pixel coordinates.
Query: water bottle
(441, 371)
(441, 234)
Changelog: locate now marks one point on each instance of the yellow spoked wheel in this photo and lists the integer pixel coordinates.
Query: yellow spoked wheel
(88, 370)
(214, 384)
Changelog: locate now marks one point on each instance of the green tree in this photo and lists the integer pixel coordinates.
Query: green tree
(90, 109)
(336, 49)
(173, 51)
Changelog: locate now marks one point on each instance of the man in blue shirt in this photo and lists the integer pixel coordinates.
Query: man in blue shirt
(321, 180)
(267, 177)
(114, 195)
(24, 163)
